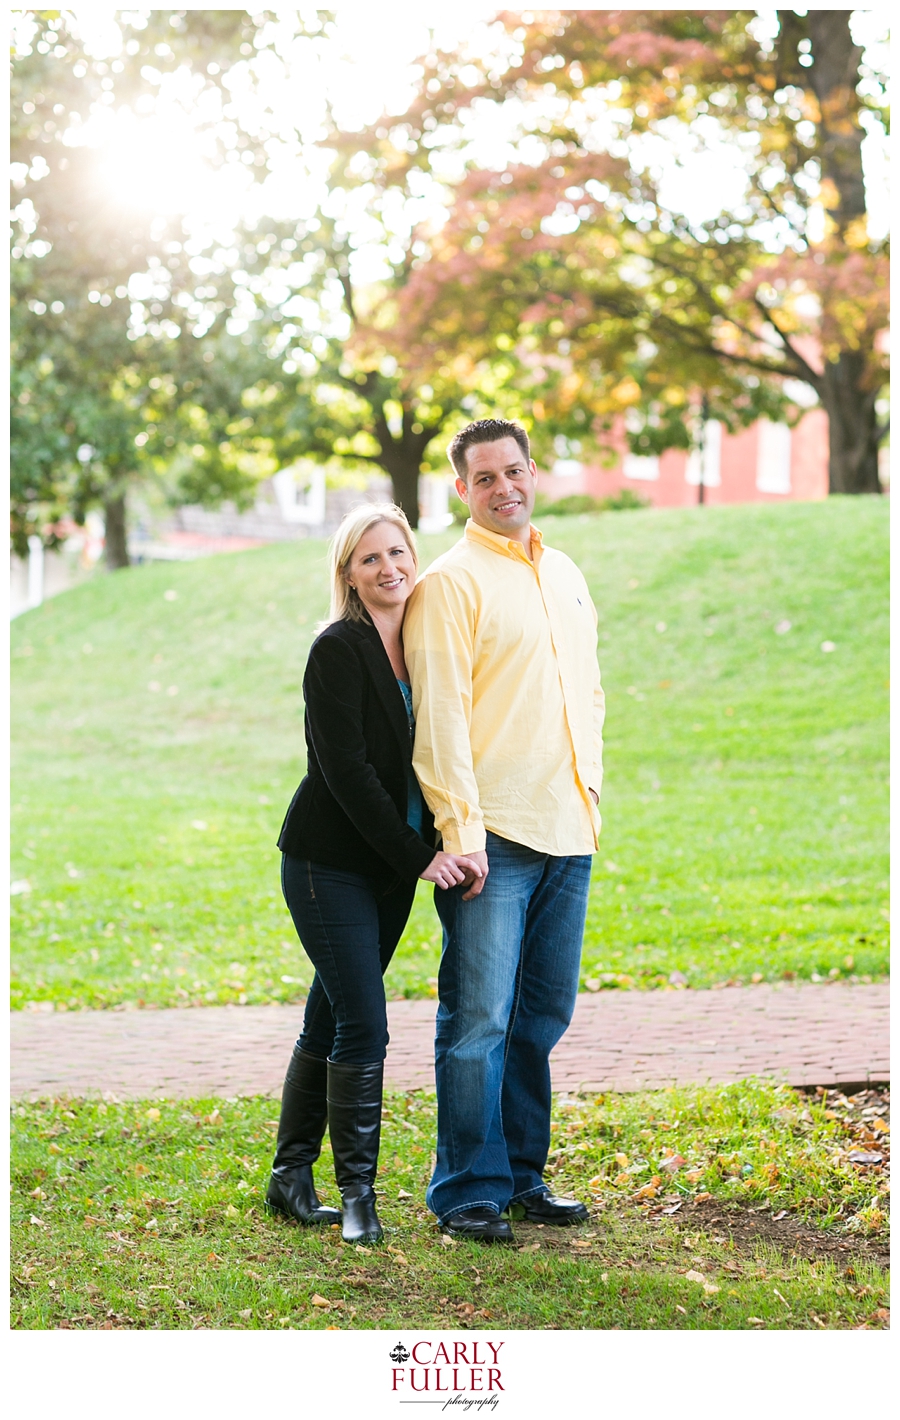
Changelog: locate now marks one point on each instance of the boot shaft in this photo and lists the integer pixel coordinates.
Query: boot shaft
(304, 1111)
(354, 1121)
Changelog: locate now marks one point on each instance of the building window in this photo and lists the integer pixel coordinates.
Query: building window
(637, 466)
(566, 468)
(773, 458)
(707, 459)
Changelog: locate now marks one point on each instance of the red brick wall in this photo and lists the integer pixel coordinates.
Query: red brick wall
(738, 471)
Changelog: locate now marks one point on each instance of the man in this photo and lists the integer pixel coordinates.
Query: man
(500, 639)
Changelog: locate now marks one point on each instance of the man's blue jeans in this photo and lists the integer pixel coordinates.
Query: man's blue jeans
(507, 986)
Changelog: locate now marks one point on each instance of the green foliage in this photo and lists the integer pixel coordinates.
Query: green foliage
(149, 1214)
(125, 369)
(744, 805)
(575, 264)
(459, 510)
(626, 500)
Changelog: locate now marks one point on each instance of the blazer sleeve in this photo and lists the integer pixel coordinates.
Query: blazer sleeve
(333, 688)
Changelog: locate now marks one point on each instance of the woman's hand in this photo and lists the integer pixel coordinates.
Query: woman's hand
(447, 870)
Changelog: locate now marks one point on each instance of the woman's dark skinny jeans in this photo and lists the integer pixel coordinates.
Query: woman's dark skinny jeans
(349, 926)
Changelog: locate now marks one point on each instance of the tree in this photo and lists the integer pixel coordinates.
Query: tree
(614, 302)
(346, 390)
(123, 367)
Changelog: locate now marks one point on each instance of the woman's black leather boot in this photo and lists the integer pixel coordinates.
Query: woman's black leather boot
(304, 1113)
(354, 1126)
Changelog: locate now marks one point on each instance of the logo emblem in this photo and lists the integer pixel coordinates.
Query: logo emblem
(399, 1353)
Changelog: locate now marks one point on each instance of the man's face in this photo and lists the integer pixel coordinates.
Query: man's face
(500, 487)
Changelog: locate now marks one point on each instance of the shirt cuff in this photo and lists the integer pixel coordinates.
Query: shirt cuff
(469, 839)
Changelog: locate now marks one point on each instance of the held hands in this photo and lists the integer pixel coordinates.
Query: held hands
(447, 870)
(475, 884)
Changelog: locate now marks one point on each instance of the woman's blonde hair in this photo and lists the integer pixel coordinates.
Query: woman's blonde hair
(345, 602)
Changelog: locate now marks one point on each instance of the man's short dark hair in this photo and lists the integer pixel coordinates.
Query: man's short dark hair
(484, 431)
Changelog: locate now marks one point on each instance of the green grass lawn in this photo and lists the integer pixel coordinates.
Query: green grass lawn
(149, 1214)
(157, 738)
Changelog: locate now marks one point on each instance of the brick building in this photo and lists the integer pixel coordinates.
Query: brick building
(768, 463)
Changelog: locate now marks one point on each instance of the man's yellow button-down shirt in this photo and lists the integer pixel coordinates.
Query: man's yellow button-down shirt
(502, 655)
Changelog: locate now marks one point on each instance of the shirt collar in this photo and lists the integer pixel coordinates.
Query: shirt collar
(506, 546)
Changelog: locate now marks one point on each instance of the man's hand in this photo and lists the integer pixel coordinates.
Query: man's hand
(477, 883)
(447, 870)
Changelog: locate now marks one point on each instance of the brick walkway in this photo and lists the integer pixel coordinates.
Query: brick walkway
(618, 1040)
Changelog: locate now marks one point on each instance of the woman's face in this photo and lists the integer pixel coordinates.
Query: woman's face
(382, 568)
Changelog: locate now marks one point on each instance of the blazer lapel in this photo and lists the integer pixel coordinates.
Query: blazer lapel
(384, 681)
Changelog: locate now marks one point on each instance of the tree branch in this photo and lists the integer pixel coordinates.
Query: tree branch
(811, 375)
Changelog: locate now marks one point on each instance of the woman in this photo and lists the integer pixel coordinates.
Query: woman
(356, 838)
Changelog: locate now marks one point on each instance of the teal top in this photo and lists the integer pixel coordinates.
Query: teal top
(414, 793)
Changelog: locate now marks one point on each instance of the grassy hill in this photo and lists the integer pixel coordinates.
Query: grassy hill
(157, 738)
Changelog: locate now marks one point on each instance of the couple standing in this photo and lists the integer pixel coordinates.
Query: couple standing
(490, 700)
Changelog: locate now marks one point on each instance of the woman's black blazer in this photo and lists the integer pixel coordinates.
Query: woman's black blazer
(350, 810)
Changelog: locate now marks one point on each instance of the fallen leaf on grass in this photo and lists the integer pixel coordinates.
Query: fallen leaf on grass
(402, 1193)
(153, 1114)
(858, 1157)
(683, 1310)
(531, 1247)
(247, 1314)
(36, 1222)
(318, 1301)
(622, 1160)
(878, 1126)
(465, 1309)
(579, 1242)
(756, 1320)
(777, 1217)
(231, 1211)
(650, 1189)
(672, 1208)
(37, 1193)
(703, 1198)
(447, 1241)
(709, 1287)
(673, 1163)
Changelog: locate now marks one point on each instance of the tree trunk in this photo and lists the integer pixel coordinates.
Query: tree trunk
(833, 76)
(116, 543)
(849, 404)
(405, 486)
(852, 427)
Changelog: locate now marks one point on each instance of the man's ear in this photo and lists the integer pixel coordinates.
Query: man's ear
(462, 489)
